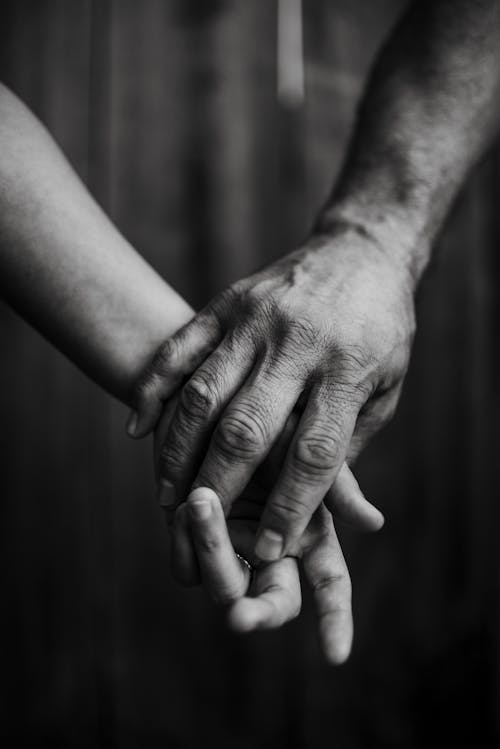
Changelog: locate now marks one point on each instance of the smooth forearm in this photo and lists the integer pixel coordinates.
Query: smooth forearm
(430, 109)
(66, 268)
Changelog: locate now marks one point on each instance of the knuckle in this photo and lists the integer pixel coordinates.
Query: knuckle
(252, 297)
(198, 398)
(316, 455)
(288, 510)
(150, 383)
(231, 299)
(327, 583)
(259, 307)
(172, 459)
(164, 356)
(208, 544)
(240, 435)
(357, 357)
(143, 388)
(148, 387)
(304, 333)
(333, 592)
(357, 371)
(226, 594)
(279, 615)
(234, 292)
(297, 338)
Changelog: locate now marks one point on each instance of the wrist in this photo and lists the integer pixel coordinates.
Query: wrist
(395, 233)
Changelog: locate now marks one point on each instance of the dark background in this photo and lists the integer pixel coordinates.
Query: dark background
(168, 110)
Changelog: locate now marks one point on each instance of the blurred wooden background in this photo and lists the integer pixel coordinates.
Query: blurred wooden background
(168, 110)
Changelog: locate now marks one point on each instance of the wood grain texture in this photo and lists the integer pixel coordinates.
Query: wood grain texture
(169, 111)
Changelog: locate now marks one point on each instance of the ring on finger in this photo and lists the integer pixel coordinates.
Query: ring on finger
(244, 561)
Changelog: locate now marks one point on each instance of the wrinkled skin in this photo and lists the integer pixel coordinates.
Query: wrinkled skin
(203, 550)
(326, 331)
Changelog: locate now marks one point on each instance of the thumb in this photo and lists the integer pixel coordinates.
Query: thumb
(346, 501)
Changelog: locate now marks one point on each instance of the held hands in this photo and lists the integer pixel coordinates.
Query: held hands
(203, 550)
(319, 342)
(326, 331)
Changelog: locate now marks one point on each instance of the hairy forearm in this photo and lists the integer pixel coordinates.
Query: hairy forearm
(430, 109)
(65, 267)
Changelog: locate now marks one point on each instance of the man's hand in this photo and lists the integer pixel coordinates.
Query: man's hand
(326, 331)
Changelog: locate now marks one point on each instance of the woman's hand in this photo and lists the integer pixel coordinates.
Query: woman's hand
(203, 545)
(204, 549)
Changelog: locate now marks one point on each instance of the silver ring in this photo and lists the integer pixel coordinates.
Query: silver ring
(247, 564)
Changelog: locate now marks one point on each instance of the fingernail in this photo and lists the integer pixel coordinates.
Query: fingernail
(200, 509)
(132, 423)
(166, 494)
(269, 546)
